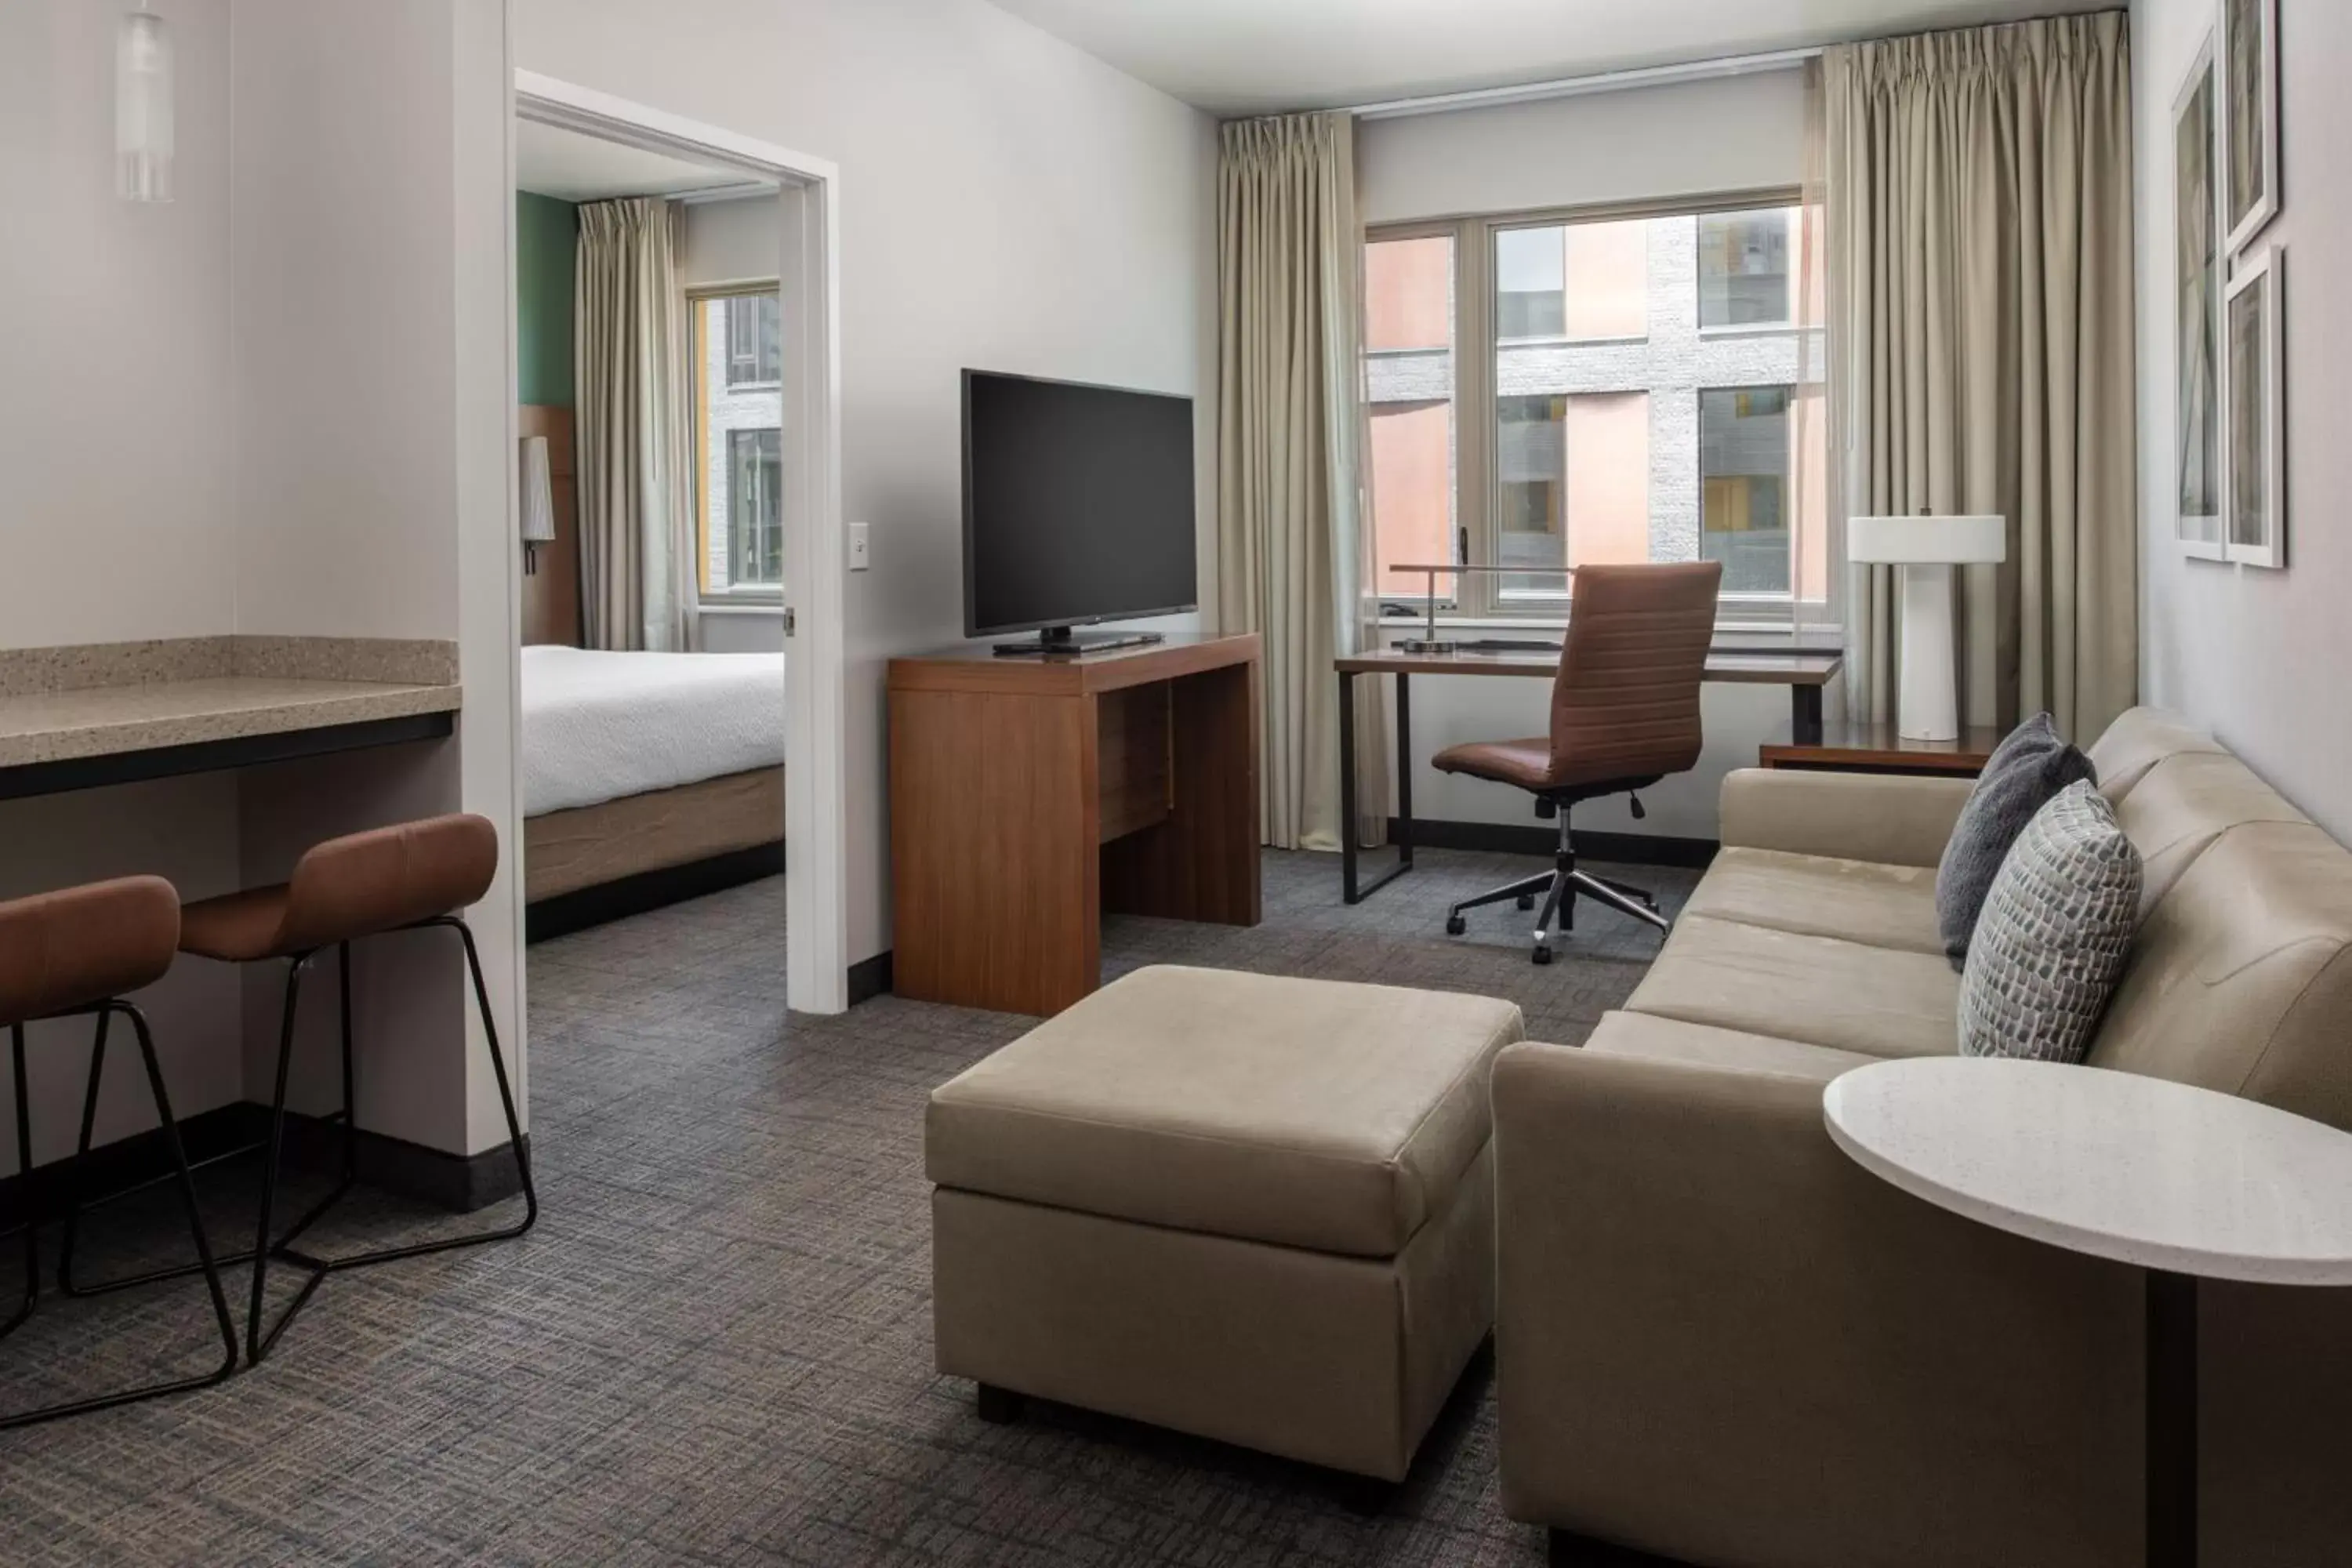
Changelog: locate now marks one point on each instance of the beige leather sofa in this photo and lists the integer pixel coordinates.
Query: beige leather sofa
(1720, 1340)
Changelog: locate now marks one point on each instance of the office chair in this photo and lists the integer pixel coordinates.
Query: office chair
(1624, 714)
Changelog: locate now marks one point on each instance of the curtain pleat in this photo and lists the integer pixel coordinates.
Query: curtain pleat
(1290, 539)
(634, 428)
(1979, 195)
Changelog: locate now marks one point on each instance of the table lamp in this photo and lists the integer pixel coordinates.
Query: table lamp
(1926, 548)
(538, 501)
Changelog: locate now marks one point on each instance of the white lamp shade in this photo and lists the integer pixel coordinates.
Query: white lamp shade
(537, 493)
(142, 109)
(1956, 540)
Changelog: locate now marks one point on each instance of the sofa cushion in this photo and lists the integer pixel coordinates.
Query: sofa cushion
(2029, 767)
(1824, 991)
(1312, 1114)
(2185, 802)
(2138, 739)
(2052, 940)
(1671, 1040)
(1860, 901)
(2241, 978)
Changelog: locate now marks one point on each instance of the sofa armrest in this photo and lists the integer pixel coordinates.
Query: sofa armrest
(1892, 819)
(1720, 1340)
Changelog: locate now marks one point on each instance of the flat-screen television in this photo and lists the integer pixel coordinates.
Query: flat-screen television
(1078, 507)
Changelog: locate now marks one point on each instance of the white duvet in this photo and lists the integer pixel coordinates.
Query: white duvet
(598, 726)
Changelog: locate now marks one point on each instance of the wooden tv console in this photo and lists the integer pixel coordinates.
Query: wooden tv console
(1028, 795)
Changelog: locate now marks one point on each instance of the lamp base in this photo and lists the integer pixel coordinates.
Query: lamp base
(1930, 707)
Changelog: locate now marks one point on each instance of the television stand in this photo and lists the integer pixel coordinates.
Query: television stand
(1061, 641)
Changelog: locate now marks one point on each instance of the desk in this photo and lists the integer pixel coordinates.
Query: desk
(1028, 795)
(2181, 1182)
(1804, 674)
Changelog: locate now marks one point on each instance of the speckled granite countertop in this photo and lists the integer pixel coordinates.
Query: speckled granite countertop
(107, 698)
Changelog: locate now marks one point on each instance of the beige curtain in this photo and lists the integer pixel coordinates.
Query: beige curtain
(1979, 195)
(636, 428)
(1291, 543)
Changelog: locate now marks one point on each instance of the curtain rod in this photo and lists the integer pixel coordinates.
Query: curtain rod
(1577, 86)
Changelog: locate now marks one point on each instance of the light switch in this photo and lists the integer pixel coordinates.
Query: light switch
(858, 559)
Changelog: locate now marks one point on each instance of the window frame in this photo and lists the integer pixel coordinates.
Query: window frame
(766, 596)
(1478, 598)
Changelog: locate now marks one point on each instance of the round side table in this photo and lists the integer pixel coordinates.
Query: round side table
(2185, 1182)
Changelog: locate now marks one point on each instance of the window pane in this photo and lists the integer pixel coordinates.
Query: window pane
(1530, 283)
(1608, 280)
(1573, 485)
(1744, 268)
(737, 363)
(1409, 394)
(1745, 440)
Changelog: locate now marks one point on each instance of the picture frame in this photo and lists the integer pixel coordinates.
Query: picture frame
(2253, 411)
(2198, 264)
(2246, 68)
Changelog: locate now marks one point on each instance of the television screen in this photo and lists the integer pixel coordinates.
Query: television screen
(1078, 503)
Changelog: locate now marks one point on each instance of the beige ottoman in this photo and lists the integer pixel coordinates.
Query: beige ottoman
(1256, 1209)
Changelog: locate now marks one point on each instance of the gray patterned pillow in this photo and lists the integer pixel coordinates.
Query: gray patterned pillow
(2031, 764)
(2051, 942)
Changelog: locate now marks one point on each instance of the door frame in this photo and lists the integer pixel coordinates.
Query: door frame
(808, 268)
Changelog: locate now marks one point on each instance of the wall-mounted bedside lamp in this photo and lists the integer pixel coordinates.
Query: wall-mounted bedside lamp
(1926, 549)
(538, 501)
(143, 108)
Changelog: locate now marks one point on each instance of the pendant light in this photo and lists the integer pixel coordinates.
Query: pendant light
(143, 108)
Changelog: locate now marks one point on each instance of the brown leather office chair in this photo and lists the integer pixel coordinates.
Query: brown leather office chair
(1624, 714)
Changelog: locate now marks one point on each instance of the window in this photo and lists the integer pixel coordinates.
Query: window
(1644, 392)
(737, 374)
(1744, 269)
(754, 340)
(755, 523)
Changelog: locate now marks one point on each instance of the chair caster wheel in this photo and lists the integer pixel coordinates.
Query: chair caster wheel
(1542, 956)
(1526, 901)
(1456, 925)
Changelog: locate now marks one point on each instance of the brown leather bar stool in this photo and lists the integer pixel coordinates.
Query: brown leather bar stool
(407, 878)
(70, 953)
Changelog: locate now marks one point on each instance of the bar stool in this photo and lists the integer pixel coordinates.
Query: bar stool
(74, 953)
(411, 877)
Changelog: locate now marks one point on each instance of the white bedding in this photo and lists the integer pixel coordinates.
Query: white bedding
(598, 726)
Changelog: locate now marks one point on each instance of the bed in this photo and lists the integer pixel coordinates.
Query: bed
(647, 777)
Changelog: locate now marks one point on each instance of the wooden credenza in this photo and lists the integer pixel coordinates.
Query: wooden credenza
(1029, 795)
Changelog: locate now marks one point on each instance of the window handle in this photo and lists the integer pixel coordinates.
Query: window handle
(792, 622)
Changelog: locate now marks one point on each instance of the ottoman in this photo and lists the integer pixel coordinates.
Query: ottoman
(1256, 1209)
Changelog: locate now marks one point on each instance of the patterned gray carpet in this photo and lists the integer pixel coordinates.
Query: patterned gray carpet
(716, 1346)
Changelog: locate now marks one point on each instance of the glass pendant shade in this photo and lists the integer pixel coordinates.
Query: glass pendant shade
(142, 109)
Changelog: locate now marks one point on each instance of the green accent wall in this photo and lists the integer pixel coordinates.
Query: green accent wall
(547, 234)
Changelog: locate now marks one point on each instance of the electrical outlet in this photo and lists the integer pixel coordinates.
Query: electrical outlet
(859, 558)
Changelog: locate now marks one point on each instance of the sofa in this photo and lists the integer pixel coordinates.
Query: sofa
(1720, 1340)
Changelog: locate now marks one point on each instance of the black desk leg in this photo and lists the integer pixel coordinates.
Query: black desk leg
(1805, 715)
(1403, 834)
(1350, 889)
(2172, 1420)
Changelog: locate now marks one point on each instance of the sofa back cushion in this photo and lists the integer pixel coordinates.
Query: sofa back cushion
(2138, 739)
(2182, 804)
(2241, 978)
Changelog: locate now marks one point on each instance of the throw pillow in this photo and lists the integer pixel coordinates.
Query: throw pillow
(2051, 941)
(2029, 766)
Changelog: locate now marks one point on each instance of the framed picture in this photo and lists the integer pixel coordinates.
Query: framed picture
(2197, 315)
(2253, 402)
(2248, 60)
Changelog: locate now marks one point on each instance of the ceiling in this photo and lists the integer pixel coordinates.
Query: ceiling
(574, 167)
(1256, 56)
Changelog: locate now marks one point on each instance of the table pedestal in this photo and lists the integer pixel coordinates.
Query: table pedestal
(2172, 1420)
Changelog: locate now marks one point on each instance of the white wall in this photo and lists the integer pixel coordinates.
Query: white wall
(2258, 657)
(731, 241)
(1738, 134)
(116, 508)
(1007, 203)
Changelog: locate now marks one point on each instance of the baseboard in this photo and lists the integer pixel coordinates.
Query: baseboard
(579, 910)
(869, 978)
(1515, 839)
(458, 1182)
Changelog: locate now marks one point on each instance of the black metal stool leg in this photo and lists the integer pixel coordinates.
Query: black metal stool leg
(169, 1127)
(25, 1186)
(81, 1153)
(257, 1343)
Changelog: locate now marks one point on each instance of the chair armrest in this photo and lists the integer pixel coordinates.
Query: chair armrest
(1892, 819)
(1719, 1339)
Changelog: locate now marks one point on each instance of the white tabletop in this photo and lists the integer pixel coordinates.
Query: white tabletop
(2138, 1170)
